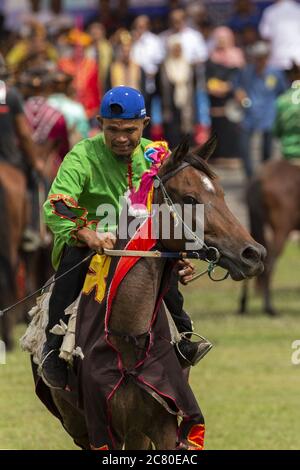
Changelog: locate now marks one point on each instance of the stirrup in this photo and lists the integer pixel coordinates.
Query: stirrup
(186, 335)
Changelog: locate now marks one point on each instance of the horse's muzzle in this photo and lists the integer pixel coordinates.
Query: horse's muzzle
(248, 263)
(252, 255)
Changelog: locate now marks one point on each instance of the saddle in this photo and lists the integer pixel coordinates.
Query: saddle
(34, 338)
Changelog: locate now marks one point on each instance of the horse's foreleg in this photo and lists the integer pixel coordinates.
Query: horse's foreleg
(163, 434)
(265, 279)
(244, 298)
(72, 419)
(137, 440)
(266, 291)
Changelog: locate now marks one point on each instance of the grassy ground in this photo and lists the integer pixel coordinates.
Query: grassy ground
(247, 387)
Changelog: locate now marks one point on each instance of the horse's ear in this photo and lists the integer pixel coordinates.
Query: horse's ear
(181, 150)
(206, 150)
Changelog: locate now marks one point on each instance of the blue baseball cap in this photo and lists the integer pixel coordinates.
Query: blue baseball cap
(123, 102)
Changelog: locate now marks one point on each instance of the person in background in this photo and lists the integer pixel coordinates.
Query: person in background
(48, 125)
(18, 149)
(280, 25)
(58, 19)
(34, 42)
(198, 19)
(84, 70)
(14, 128)
(112, 14)
(287, 123)
(224, 62)
(194, 50)
(192, 43)
(102, 49)
(256, 88)
(147, 52)
(177, 91)
(244, 22)
(73, 111)
(123, 70)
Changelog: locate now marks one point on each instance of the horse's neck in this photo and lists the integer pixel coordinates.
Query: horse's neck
(135, 302)
(136, 297)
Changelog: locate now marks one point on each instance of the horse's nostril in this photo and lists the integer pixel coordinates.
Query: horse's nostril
(251, 254)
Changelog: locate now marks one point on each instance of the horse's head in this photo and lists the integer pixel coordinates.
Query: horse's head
(188, 180)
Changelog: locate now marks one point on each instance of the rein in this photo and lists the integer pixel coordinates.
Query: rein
(180, 255)
(48, 284)
(202, 254)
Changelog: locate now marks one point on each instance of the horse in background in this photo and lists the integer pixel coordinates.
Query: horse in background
(25, 264)
(13, 217)
(273, 201)
(187, 179)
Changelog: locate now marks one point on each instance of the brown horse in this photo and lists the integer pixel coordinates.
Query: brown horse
(273, 200)
(139, 418)
(35, 265)
(13, 216)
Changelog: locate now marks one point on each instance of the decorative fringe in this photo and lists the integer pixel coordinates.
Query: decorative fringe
(67, 349)
(35, 337)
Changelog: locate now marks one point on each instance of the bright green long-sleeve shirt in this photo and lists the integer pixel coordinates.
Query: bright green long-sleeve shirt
(89, 176)
(287, 123)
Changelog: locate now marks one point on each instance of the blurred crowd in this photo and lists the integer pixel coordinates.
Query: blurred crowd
(196, 77)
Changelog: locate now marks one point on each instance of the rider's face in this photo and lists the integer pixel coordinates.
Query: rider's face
(122, 136)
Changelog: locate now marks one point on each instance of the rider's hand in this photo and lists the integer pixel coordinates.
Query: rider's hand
(186, 271)
(96, 241)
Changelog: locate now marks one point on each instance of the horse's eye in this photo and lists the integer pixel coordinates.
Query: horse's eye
(189, 200)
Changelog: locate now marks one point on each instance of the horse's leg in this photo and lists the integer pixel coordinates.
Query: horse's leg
(264, 284)
(162, 430)
(136, 440)
(244, 298)
(7, 320)
(279, 239)
(32, 281)
(163, 434)
(153, 423)
(72, 420)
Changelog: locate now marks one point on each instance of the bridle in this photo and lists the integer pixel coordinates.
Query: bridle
(210, 254)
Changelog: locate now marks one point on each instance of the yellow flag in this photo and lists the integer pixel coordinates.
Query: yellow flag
(97, 276)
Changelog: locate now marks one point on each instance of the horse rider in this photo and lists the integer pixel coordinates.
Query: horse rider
(18, 148)
(14, 127)
(287, 121)
(49, 127)
(100, 170)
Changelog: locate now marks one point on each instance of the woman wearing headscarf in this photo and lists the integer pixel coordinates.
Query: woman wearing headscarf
(224, 62)
(177, 91)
